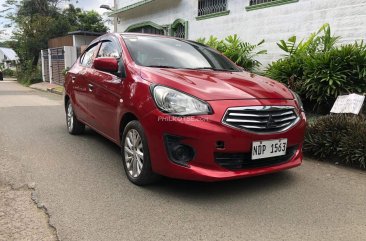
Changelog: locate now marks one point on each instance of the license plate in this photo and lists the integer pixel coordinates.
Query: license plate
(271, 148)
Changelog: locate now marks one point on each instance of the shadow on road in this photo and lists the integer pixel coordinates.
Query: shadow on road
(200, 191)
(223, 191)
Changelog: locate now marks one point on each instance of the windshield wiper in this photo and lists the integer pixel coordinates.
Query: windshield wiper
(161, 66)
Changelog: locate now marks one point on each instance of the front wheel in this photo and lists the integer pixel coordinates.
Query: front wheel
(74, 126)
(136, 156)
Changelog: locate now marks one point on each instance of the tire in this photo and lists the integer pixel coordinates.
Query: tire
(136, 155)
(74, 126)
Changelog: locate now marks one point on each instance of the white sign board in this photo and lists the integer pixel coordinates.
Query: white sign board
(348, 104)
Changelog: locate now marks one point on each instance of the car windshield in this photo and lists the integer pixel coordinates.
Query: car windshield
(161, 52)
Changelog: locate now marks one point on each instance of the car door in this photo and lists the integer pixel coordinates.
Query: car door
(80, 74)
(107, 92)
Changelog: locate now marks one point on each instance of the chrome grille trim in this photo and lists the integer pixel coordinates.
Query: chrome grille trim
(261, 119)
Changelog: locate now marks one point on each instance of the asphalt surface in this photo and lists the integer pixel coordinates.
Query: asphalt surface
(81, 182)
(20, 218)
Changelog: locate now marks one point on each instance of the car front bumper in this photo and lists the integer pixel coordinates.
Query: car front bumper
(205, 133)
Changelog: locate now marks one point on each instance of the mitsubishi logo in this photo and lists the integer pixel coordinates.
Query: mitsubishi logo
(271, 122)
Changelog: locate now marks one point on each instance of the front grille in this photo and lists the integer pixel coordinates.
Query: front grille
(238, 161)
(261, 119)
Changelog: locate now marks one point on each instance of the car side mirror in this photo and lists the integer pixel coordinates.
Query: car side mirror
(106, 64)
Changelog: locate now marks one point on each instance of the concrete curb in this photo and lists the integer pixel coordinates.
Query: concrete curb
(55, 91)
(36, 89)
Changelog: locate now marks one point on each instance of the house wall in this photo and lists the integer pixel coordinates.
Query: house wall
(347, 19)
(81, 40)
(2, 57)
(70, 56)
(60, 42)
(70, 40)
(8, 59)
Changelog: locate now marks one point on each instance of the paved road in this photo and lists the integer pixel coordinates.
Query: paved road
(80, 180)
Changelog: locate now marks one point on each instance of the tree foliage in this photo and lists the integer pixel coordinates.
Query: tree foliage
(37, 21)
(7, 44)
(77, 19)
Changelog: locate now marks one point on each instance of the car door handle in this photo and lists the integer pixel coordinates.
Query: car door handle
(91, 87)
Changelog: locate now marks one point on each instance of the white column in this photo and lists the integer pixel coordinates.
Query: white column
(50, 65)
(115, 19)
(70, 55)
(43, 67)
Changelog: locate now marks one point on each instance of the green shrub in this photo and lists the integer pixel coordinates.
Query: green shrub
(65, 71)
(338, 71)
(28, 75)
(340, 138)
(353, 148)
(214, 43)
(8, 73)
(288, 71)
(241, 53)
(319, 42)
(324, 135)
(318, 70)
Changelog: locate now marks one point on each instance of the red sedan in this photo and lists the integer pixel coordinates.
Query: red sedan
(180, 109)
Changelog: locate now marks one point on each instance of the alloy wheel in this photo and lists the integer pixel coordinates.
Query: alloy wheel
(70, 117)
(134, 153)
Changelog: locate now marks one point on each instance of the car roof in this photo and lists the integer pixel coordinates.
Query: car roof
(126, 34)
(147, 35)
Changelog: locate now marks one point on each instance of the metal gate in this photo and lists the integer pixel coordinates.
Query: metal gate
(57, 65)
(55, 61)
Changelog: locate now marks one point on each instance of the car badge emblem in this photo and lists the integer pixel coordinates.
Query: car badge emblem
(271, 122)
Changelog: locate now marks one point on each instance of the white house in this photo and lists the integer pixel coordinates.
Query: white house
(252, 20)
(8, 58)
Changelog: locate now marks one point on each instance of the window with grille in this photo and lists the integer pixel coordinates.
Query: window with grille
(211, 6)
(147, 29)
(179, 31)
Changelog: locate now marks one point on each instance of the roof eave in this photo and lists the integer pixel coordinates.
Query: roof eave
(129, 7)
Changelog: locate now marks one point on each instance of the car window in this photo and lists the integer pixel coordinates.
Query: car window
(87, 58)
(109, 49)
(154, 51)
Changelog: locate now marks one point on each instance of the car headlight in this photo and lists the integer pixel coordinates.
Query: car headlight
(177, 103)
(298, 100)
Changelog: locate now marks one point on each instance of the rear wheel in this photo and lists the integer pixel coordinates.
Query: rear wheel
(136, 156)
(74, 126)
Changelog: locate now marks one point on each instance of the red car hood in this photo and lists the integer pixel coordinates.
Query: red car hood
(215, 85)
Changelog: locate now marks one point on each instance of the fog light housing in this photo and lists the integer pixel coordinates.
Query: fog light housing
(178, 152)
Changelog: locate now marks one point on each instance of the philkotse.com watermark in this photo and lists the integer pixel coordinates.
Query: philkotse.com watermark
(182, 118)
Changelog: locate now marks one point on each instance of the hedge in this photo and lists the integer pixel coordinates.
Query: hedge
(338, 138)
